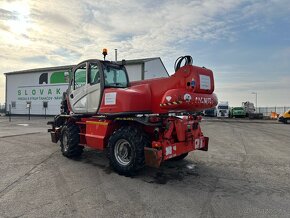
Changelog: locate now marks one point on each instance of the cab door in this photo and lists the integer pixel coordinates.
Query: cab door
(94, 90)
(78, 89)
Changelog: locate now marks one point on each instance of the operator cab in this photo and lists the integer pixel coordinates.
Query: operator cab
(89, 79)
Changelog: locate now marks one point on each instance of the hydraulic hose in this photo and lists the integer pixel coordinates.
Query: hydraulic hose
(188, 61)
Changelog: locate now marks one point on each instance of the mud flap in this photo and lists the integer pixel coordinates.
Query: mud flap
(153, 157)
(55, 134)
(205, 148)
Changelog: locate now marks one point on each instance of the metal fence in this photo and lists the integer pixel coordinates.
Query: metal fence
(266, 111)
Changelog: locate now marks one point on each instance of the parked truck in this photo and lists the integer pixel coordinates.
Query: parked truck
(131, 121)
(212, 112)
(238, 112)
(249, 108)
(223, 109)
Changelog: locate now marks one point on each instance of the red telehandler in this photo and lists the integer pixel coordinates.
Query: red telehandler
(136, 123)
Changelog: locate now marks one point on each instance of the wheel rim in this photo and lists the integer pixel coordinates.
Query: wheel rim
(123, 152)
(65, 142)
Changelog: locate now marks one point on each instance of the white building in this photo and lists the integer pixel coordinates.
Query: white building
(42, 88)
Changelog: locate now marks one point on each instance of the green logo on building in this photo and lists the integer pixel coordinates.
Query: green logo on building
(47, 88)
(56, 77)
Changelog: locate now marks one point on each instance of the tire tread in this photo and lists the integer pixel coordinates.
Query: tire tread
(138, 140)
(74, 150)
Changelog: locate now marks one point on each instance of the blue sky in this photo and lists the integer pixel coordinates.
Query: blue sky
(245, 43)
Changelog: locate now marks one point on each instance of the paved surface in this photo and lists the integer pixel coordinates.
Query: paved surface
(246, 173)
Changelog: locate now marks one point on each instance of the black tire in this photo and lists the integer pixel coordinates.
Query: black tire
(126, 150)
(69, 141)
(59, 121)
(180, 157)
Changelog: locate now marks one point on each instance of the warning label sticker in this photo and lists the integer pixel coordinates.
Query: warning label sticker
(110, 98)
(204, 82)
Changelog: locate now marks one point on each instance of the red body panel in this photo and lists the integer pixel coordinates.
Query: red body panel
(184, 136)
(180, 136)
(189, 89)
(136, 98)
(94, 132)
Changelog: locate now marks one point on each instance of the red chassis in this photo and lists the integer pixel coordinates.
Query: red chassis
(170, 137)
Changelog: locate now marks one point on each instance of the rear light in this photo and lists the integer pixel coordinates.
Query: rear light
(156, 144)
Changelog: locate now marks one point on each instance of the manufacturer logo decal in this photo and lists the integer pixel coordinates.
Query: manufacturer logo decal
(203, 100)
(168, 98)
(187, 97)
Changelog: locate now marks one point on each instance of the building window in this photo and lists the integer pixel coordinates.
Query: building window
(13, 104)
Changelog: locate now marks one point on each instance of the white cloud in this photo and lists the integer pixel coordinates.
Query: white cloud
(135, 28)
(65, 32)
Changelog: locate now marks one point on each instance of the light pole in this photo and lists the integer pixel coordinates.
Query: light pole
(256, 93)
(116, 52)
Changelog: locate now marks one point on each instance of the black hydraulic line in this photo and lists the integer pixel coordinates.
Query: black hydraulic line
(188, 61)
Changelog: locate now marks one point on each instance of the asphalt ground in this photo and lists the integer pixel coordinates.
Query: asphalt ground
(245, 173)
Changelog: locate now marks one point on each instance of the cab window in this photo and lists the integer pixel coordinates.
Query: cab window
(80, 77)
(115, 76)
(94, 75)
(224, 107)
